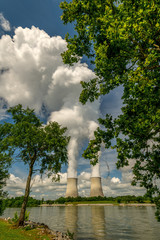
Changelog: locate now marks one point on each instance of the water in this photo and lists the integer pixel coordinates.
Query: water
(98, 222)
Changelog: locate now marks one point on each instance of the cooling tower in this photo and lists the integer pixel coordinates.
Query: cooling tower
(96, 187)
(72, 190)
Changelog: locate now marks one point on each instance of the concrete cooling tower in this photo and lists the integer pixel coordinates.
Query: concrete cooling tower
(96, 187)
(72, 190)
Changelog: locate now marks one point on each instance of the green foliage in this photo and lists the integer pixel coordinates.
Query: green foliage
(123, 37)
(140, 199)
(17, 202)
(16, 217)
(4, 165)
(49, 201)
(118, 199)
(27, 228)
(70, 235)
(27, 215)
(34, 141)
(7, 232)
(28, 140)
(2, 206)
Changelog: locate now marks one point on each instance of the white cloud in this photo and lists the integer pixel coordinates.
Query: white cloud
(37, 76)
(33, 74)
(45, 187)
(3, 114)
(115, 180)
(40, 187)
(31, 59)
(19, 193)
(4, 23)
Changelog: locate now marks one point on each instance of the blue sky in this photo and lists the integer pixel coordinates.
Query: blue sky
(43, 14)
(35, 76)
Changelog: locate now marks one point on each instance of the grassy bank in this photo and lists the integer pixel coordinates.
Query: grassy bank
(98, 203)
(128, 199)
(101, 200)
(8, 232)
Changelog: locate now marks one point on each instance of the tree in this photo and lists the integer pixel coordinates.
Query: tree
(33, 143)
(122, 39)
(4, 165)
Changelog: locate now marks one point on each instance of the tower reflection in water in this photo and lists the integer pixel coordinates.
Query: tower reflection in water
(89, 217)
(71, 219)
(98, 222)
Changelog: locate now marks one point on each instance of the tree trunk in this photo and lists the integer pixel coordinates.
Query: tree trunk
(27, 191)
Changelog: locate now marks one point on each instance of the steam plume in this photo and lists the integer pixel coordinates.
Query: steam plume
(33, 74)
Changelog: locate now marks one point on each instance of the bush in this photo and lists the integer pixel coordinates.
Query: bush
(2, 206)
(119, 200)
(17, 202)
(140, 199)
(16, 217)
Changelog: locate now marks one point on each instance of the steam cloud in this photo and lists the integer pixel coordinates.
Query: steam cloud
(32, 73)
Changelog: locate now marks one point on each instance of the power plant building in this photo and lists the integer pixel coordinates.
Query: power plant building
(95, 191)
(96, 187)
(72, 190)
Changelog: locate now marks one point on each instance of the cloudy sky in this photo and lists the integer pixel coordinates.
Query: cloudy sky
(32, 73)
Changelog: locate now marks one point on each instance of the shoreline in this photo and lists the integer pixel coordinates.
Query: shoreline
(99, 204)
(42, 230)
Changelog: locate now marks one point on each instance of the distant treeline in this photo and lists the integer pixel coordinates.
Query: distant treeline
(17, 201)
(119, 199)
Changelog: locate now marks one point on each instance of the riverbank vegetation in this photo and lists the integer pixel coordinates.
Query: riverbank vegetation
(17, 201)
(8, 232)
(114, 200)
(27, 139)
(122, 41)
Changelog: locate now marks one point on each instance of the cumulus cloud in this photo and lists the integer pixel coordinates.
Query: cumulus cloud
(4, 23)
(36, 77)
(40, 187)
(31, 58)
(115, 180)
(45, 187)
(32, 73)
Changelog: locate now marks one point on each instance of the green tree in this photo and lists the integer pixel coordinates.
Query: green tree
(33, 143)
(122, 38)
(4, 165)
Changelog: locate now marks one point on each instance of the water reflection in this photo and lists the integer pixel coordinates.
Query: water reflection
(98, 222)
(71, 218)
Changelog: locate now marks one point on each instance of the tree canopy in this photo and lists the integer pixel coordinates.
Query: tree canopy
(27, 139)
(122, 38)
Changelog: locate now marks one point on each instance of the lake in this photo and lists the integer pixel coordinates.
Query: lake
(98, 222)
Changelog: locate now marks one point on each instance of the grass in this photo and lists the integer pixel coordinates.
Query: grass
(8, 232)
(91, 202)
(104, 202)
